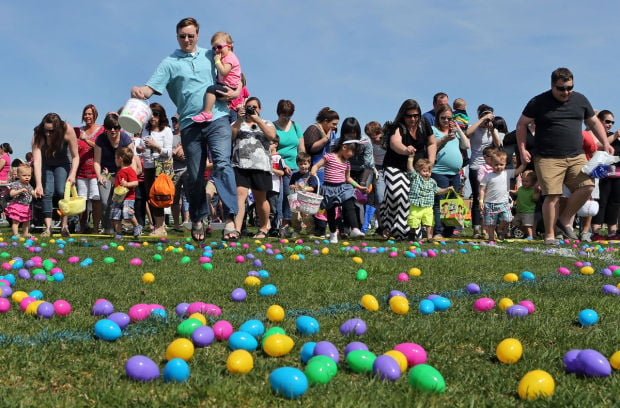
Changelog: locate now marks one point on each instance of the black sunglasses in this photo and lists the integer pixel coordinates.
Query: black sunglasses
(412, 115)
(184, 36)
(564, 88)
(609, 122)
(117, 127)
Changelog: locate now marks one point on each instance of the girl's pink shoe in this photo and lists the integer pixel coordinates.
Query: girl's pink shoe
(203, 117)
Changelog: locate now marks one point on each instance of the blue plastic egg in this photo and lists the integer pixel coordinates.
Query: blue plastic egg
(307, 351)
(527, 275)
(441, 303)
(242, 340)
(268, 290)
(176, 370)
(307, 325)
(289, 382)
(107, 330)
(427, 307)
(255, 327)
(588, 317)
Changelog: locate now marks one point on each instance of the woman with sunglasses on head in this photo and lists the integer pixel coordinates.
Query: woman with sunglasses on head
(106, 145)
(55, 162)
(481, 134)
(408, 134)
(609, 187)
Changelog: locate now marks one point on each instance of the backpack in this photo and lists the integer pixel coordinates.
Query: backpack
(162, 192)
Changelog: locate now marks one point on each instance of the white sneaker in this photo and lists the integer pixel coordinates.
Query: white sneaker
(586, 237)
(333, 238)
(356, 233)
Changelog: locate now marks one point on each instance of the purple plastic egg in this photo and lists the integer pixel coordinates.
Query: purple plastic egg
(25, 274)
(325, 348)
(611, 290)
(396, 293)
(141, 368)
(120, 318)
(594, 364)
(103, 308)
(238, 295)
(386, 368)
(571, 363)
(5, 291)
(45, 310)
(353, 326)
(181, 309)
(203, 336)
(472, 288)
(354, 345)
(517, 311)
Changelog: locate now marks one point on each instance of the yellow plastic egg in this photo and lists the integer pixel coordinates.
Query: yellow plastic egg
(31, 309)
(18, 295)
(325, 251)
(278, 345)
(148, 277)
(294, 257)
(415, 272)
(511, 277)
(400, 358)
(614, 360)
(357, 260)
(536, 384)
(505, 303)
(198, 316)
(240, 362)
(252, 281)
(587, 270)
(120, 248)
(275, 313)
(180, 348)
(399, 305)
(369, 302)
(509, 351)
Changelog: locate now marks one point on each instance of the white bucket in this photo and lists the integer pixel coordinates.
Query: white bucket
(135, 114)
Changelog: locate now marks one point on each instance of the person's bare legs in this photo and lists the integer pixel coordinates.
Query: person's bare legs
(242, 196)
(490, 229)
(262, 209)
(549, 212)
(573, 203)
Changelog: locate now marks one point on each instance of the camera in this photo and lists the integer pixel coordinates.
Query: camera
(250, 110)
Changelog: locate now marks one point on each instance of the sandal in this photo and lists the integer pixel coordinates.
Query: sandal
(261, 234)
(198, 231)
(230, 234)
(46, 234)
(65, 233)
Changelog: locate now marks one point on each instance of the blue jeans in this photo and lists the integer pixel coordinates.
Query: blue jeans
(443, 181)
(198, 139)
(475, 196)
(284, 208)
(54, 179)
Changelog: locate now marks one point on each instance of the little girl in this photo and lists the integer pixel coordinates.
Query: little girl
(21, 196)
(338, 185)
(228, 73)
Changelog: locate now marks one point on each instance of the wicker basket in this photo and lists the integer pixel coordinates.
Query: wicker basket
(72, 204)
(309, 203)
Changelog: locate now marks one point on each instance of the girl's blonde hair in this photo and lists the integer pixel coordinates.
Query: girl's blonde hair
(23, 168)
(224, 35)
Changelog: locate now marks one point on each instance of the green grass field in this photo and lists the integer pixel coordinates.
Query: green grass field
(59, 362)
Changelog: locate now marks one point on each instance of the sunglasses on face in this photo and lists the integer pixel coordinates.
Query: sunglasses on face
(445, 118)
(156, 114)
(117, 127)
(412, 115)
(48, 130)
(220, 46)
(564, 88)
(184, 36)
(609, 122)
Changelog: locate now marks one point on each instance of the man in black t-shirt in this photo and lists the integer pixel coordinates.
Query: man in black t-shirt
(559, 157)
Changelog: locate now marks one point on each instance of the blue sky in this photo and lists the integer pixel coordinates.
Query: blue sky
(361, 58)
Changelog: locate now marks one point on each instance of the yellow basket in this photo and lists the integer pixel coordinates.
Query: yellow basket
(72, 204)
(119, 194)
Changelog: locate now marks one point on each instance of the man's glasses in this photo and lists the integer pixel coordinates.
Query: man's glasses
(609, 122)
(412, 115)
(184, 36)
(220, 46)
(564, 88)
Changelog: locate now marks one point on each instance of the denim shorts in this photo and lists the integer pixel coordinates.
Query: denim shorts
(124, 210)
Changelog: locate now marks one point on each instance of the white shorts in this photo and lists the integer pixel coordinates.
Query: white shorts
(88, 188)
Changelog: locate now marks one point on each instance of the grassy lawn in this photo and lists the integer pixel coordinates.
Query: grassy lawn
(59, 361)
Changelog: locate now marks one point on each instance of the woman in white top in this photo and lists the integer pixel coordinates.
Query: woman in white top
(157, 138)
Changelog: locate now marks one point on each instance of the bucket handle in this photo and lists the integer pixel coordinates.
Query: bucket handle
(70, 191)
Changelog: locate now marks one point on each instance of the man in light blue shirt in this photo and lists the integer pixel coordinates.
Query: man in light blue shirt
(186, 74)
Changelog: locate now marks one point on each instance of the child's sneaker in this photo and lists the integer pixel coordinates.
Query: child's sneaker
(356, 233)
(118, 237)
(203, 117)
(137, 231)
(333, 238)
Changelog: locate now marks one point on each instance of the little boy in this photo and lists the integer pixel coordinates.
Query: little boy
(422, 196)
(494, 195)
(125, 177)
(301, 181)
(277, 171)
(459, 108)
(526, 197)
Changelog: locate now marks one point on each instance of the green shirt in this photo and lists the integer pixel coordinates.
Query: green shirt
(525, 200)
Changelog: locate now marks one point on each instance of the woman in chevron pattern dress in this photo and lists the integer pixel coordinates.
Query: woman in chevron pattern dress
(409, 133)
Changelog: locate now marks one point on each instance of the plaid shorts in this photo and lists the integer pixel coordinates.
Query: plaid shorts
(494, 213)
(124, 210)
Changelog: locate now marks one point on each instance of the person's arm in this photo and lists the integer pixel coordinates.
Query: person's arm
(222, 67)
(318, 138)
(354, 183)
(410, 163)
(483, 190)
(71, 139)
(520, 169)
(522, 138)
(101, 179)
(268, 130)
(495, 137)
(442, 191)
(472, 128)
(15, 192)
(431, 149)
(301, 147)
(316, 167)
(37, 164)
(397, 145)
(136, 164)
(142, 92)
(129, 184)
(463, 139)
(599, 131)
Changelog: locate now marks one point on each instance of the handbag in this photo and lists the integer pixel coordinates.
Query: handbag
(452, 210)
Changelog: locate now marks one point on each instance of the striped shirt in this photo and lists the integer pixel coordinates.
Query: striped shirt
(335, 170)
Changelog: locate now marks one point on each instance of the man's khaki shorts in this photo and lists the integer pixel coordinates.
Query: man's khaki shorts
(552, 173)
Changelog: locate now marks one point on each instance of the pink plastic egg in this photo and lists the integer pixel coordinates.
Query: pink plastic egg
(222, 330)
(484, 304)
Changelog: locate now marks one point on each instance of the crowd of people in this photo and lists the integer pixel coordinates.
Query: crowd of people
(232, 167)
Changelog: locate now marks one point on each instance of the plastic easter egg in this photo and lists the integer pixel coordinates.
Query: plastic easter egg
(251, 281)
(396, 293)
(509, 351)
(325, 348)
(307, 351)
(36, 294)
(614, 360)
(240, 362)
(148, 277)
(45, 310)
(414, 353)
(426, 307)
(176, 370)
(527, 275)
(139, 312)
(536, 384)
(5, 305)
(62, 307)
(571, 362)
(399, 358)
(222, 330)
(361, 275)
(136, 262)
(403, 277)
(18, 296)
(361, 361)
(472, 288)
(593, 364)
(353, 326)
(272, 331)
(511, 277)
(318, 372)
(357, 260)
(610, 290)
(268, 290)
(238, 295)
(180, 348)
(278, 345)
(25, 302)
(202, 336)
(239, 259)
(354, 345)
(517, 311)
(415, 272)
(289, 382)
(441, 303)
(120, 318)
(33, 307)
(275, 313)
(107, 330)
(187, 327)
(586, 270)
(505, 303)
(426, 378)
(103, 308)
(588, 317)
(529, 305)
(198, 316)
(484, 304)
(369, 302)
(563, 270)
(307, 325)
(242, 340)
(399, 305)
(141, 368)
(386, 367)
(254, 327)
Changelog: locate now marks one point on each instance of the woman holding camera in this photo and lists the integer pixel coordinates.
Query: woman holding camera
(251, 160)
(481, 134)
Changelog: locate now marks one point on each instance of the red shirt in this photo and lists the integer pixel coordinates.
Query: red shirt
(129, 174)
(86, 152)
(589, 144)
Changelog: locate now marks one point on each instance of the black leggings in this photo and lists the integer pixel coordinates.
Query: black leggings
(348, 215)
